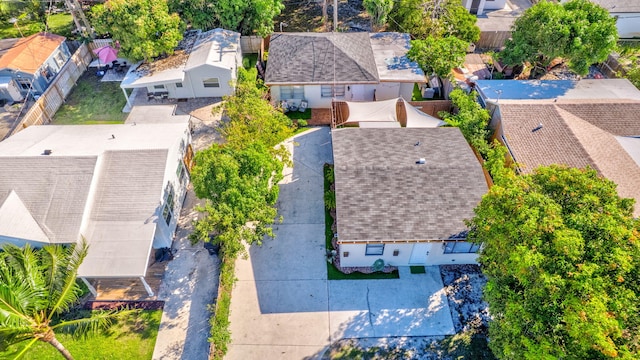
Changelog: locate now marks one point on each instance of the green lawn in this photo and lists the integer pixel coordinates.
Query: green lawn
(297, 115)
(92, 102)
(332, 272)
(60, 24)
(133, 339)
(417, 94)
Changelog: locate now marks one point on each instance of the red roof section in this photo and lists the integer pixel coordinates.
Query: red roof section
(29, 53)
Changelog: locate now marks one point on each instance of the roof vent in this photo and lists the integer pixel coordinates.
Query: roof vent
(47, 152)
(537, 128)
(421, 161)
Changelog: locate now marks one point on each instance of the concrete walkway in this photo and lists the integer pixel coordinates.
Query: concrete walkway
(283, 306)
(190, 284)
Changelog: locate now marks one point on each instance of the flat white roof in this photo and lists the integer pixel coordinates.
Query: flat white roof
(390, 54)
(90, 140)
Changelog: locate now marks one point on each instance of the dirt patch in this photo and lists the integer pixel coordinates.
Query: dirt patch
(303, 16)
(463, 285)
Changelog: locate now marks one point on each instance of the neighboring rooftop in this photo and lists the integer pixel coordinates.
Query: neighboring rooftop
(103, 182)
(29, 53)
(217, 47)
(390, 53)
(601, 134)
(619, 6)
(383, 194)
(311, 58)
(6, 44)
(596, 89)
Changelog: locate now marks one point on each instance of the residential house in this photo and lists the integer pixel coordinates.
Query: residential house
(120, 187)
(402, 195)
(627, 15)
(30, 63)
(204, 65)
(478, 7)
(592, 123)
(321, 67)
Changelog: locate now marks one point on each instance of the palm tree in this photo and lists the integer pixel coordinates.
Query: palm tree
(36, 287)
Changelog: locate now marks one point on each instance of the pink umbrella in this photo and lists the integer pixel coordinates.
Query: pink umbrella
(106, 54)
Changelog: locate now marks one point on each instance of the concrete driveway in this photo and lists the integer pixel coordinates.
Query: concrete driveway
(283, 306)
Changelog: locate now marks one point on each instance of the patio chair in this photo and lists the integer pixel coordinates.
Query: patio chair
(150, 96)
(303, 106)
(292, 106)
(284, 106)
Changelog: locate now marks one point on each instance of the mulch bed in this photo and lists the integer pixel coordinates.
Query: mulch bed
(111, 305)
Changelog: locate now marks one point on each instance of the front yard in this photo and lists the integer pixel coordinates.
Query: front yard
(92, 102)
(131, 339)
(60, 24)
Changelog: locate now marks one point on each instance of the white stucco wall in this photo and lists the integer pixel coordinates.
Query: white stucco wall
(485, 5)
(628, 25)
(406, 91)
(387, 91)
(193, 81)
(164, 233)
(436, 255)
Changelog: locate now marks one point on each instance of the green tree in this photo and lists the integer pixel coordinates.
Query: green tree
(378, 10)
(579, 31)
(248, 17)
(438, 55)
(36, 287)
(199, 13)
(144, 28)
(437, 18)
(23, 9)
(562, 257)
(241, 188)
(470, 118)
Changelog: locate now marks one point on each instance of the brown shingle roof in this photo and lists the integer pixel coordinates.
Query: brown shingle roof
(29, 53)
(578, 135)
(383, 195)
(305, 58)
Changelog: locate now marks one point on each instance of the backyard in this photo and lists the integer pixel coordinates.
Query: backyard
(130, 339)
(92, 102)
(60, 24)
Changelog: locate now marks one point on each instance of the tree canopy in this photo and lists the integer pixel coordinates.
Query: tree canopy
(470, 118)
(248, 17)
(239, 178)
(579, 31)
(562, 257)
(36, 287)
(144, 28)
(378, 10)
(438, 55)
(424, 18)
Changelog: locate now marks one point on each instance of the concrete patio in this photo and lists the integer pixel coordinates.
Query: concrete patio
(284, 307)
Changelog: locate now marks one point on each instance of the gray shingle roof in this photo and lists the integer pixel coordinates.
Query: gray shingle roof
(578, 135)
(619, 6)
(383, 195)
(305, 58)
(53, 189)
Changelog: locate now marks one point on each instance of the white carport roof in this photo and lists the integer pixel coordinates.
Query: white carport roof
(418, 119)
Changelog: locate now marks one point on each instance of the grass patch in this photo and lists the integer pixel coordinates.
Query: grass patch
(60, 24)
(220, 333)
(92, 102)
(417, 94)
(332, 272)
(130, 339)
(297, 115)
(249, 61)
(417, 269)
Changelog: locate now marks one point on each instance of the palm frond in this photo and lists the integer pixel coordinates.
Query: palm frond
(19, 302)
(69, 291)
(99, 321)
(24, 349)
(14, 335)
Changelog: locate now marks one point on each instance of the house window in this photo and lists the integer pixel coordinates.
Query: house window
(59, 59)
(158, 87)
(331, 90)
(291, 92)
(167, 210)
(211, 83)
(460, 247)
(25, 84)
(181, 173)
(179, 85)
(374, 249)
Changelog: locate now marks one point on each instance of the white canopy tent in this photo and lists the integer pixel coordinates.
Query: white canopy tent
(384, 114)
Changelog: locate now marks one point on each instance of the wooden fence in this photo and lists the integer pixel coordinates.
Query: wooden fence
(492, 39)
(98, 43)
(612, 67)
(251, 44)
(42, 111)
